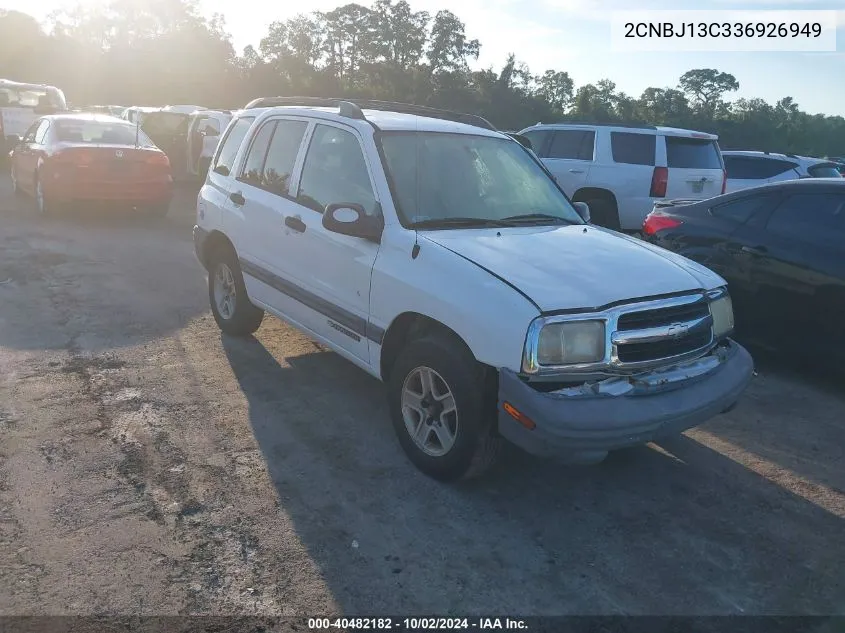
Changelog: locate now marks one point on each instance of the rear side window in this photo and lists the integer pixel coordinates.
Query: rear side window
(753, 168)
(281, 156)
(538, 139)
(741, 210)
(254, 163)
(815, 218)
(632, 148)
(577, 144)
(225, 159)
(692, 153)
(824, 170)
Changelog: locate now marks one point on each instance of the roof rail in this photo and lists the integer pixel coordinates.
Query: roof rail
(634, 126)
(353, 108)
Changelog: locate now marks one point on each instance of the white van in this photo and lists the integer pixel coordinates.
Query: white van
(621, 171)
(20, 105)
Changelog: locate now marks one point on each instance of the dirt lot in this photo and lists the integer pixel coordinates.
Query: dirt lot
(150, 465)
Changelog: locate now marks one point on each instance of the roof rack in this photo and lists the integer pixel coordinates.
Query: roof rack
(353, 108)
(634, 126)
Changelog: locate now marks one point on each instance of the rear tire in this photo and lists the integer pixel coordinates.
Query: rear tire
(603, 212)
(44, 205)
(234, 313)
(442, 409)
(159, 210)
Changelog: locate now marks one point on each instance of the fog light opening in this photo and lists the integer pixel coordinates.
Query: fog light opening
(520, 417)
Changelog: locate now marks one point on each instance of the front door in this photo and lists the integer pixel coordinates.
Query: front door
(335, 269)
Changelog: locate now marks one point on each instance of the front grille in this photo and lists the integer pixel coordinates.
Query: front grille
(647, 323)
(639, 352)
(663, 316)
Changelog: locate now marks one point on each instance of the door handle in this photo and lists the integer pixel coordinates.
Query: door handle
(237, 198)
(754, 250)
(296, 223)
(576, 171)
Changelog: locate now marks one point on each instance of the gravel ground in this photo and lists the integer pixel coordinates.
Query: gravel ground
(150, 465)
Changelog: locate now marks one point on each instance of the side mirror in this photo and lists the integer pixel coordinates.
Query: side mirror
(583, 210)
(348, 218)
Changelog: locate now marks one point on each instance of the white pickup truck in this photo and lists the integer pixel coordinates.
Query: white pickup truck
(440, 256)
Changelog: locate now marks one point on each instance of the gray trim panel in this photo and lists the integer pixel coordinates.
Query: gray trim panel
(352, 322)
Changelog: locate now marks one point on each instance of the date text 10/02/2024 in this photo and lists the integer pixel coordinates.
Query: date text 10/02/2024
(415, 624)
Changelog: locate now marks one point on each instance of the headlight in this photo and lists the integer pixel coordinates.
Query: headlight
(722, 311)
(571, 343)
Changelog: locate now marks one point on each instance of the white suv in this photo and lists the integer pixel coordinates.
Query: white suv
(751, 169)
(621, 171)
(438, 255)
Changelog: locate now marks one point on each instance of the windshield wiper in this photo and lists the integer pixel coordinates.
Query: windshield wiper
(459, 222)
(534, 218)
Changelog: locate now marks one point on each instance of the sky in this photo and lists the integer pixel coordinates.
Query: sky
(574, 35)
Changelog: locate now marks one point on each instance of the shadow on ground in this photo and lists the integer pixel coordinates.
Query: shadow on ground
(679, 529)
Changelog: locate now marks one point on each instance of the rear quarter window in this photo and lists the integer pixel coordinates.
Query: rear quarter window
(756, 168)
(824, 170)
(572, 144)
(692, 153)
(633, 148)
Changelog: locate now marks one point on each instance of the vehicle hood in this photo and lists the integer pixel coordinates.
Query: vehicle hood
(576, 266)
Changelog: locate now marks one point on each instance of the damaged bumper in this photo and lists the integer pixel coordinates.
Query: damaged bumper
(583, 423)
(200, 236)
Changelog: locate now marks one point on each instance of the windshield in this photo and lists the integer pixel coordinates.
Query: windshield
(439, 176)
(24, 96)
(100, 132)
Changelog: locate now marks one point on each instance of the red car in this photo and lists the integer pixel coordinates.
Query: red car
(91, 158)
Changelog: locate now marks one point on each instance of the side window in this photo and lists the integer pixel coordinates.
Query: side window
(576, 144)
(742, 209)
(633, 148)
(753, 168)
(41, 132)
(210, 126)
(281, 156)
(815, 218)
(225, 159)
(335, 171)
(823, 170)
(538, 139)
(29, 135)
(254, 163)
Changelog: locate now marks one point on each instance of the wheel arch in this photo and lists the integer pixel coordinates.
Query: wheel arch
(215, 241)
(584, 194)
(408, 326)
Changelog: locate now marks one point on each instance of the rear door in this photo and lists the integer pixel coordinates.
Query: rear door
(798, 267)
(695, 167)
(627, 174)
(569, 156)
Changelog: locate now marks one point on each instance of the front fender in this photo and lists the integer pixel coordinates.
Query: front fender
(490, 316)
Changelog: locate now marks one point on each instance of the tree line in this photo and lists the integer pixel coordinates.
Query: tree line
(166, 51)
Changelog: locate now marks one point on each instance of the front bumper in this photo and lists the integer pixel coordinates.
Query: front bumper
(582, 424)
(200, 236)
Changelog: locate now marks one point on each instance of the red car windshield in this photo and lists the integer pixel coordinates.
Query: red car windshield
(101, 133)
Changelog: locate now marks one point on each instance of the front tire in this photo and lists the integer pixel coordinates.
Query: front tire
(442, 409)
(230, 305)
(603, 212)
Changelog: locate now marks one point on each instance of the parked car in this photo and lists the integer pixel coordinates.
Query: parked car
(134, 114)
(169, 131)
(621, 170)
(441, 257)
(109, 110)
(204, 129)
(21, 104)
(750, 169)
(781, 248)
(85, 158)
